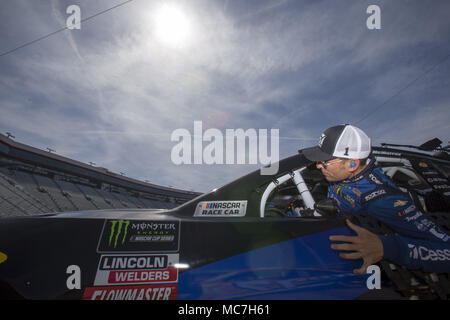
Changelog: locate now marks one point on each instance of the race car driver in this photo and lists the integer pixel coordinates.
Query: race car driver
(344, 157)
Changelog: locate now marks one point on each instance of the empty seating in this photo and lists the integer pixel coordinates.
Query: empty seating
(26, 181)
(23, 192)
(75, 195)
(15, 201)
(95, 197)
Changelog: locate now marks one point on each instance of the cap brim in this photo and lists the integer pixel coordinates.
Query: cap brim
(316, 154)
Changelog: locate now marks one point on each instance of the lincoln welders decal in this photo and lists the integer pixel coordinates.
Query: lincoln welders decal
(141, 292)
(136, 269)
(139, 236)
(221, 209)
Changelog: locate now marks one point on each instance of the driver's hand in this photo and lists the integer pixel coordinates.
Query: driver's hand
(366, 245)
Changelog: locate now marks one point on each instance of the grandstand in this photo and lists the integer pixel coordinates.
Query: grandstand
(33, 181)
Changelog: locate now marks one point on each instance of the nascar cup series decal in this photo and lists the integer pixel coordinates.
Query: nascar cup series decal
(221, 209)
(139, 236)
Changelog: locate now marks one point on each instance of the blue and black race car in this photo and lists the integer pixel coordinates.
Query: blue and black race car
(259, 237)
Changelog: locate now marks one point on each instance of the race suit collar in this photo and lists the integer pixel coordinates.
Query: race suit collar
(369, 166)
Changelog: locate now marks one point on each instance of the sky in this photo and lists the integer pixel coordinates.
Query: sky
(114, 91)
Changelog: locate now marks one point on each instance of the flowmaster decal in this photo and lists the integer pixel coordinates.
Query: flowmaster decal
(221, 209)
(139, 236)
(141, 292)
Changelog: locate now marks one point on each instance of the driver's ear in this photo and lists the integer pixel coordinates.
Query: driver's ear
(353, 164)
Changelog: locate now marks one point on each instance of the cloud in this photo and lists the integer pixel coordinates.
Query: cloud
(111, 93)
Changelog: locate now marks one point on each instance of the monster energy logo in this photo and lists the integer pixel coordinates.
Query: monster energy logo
(114, 234)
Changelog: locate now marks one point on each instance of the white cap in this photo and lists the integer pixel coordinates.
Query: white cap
(343, 141)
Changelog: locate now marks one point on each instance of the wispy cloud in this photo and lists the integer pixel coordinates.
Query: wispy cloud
(112, 93)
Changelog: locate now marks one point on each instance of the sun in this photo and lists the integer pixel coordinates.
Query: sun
(172, 26)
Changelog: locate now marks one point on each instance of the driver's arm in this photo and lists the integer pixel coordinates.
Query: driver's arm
(429, 256)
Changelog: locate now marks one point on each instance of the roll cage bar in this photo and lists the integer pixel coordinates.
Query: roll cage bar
(299, 182)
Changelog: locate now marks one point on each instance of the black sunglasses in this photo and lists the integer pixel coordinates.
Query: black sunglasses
(325, 164)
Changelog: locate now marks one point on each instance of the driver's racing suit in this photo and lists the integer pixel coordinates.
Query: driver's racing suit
(417, 242)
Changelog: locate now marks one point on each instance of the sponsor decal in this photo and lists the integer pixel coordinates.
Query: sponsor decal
(111, 262)
(139, 236)
(136, 269)
(375, 194)
(115, 234)
(395, 154)
(143, 276)
(431, 180)
(374, 179)
(221, 209)
(428, 173)
(408, 210)
(424, 224)
(414, 217)
(349, 200)
(400, 203)
(425, 254)
(423, 164)
(337, 190)
(442, 186)
(141, 292)
(437, 180)
(3, 257)
(439, 234)
(341, 188)
(427, 225)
